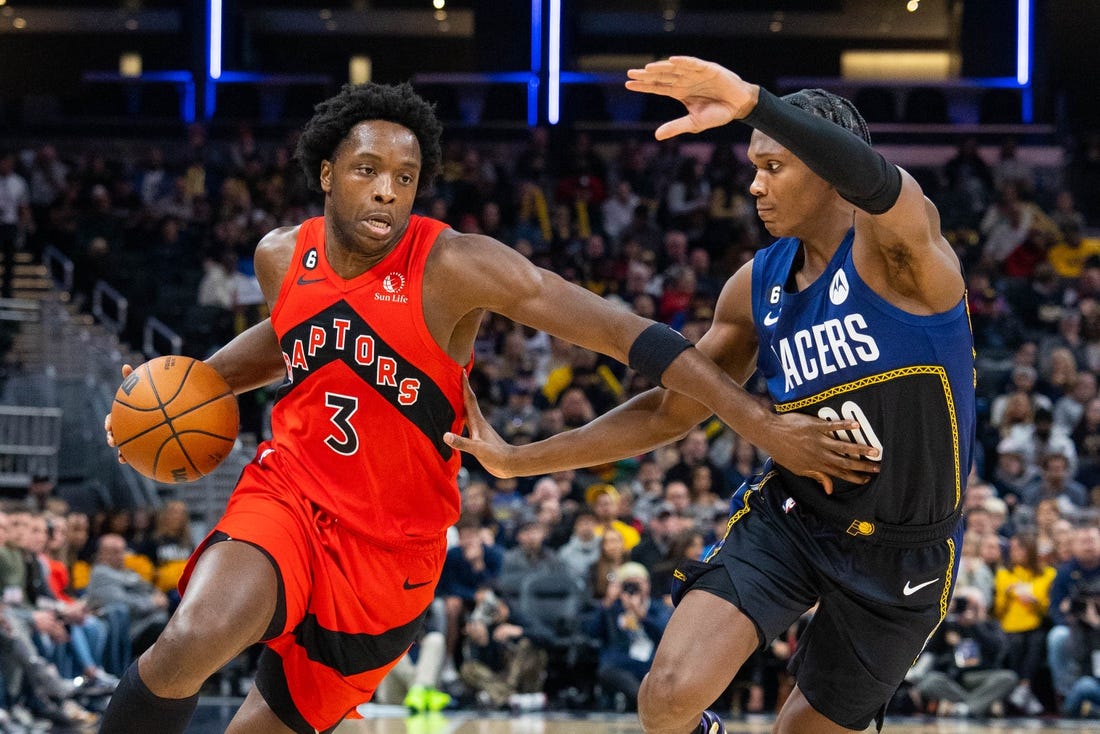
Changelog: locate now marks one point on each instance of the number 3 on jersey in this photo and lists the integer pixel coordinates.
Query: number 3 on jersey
(346, 440)
(863, 435)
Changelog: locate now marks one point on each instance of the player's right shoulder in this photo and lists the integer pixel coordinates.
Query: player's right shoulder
(272, 259)
(279, 239)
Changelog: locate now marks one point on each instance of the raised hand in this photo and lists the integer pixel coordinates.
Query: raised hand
(712, 94)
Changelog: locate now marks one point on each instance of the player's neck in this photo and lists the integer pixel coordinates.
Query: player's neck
(820, 242)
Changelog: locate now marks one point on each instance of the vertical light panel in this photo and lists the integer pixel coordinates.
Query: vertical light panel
(187, 104)
(536, 64)
(536, 36)
(214, 48)
(360, 69)
(1023, 42)
(553, 64)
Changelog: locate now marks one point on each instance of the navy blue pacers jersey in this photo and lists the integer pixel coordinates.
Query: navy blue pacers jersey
(837, 350)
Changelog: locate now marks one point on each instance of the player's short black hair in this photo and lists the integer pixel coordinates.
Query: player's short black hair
(832, 107)
(334, 118)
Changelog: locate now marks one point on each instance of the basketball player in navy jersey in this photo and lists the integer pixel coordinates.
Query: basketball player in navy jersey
(332, 543)
(856, 312)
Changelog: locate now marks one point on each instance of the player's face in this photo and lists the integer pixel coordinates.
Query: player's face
(370, 185)
(789, 196)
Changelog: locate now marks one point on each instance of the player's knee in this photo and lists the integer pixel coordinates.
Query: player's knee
(666, 695)
(203, 640)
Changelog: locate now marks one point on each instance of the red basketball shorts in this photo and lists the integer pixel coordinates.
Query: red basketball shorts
(349, 606)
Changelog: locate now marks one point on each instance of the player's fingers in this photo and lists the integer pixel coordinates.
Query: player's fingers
(126, 370)
(858, 465)
(660, 66)
(831, 428)
(459, 443)
(469, 401)
(654, 86)
(686, 62)
(675, 127)
(823, 479)
(854, 450)
(850, 475)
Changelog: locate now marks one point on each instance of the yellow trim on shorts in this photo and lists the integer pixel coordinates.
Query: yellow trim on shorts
(740, 513)
(945, 597)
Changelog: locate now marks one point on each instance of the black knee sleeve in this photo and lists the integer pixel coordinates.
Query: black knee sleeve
(134, 709)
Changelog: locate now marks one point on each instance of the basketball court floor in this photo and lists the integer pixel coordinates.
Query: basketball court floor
(214, 714)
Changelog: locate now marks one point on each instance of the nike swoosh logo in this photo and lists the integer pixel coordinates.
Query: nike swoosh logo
(910, 590)
(770, 320)
(303, 280)
(410, 587)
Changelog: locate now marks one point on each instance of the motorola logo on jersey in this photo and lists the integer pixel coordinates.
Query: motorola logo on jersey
(825, 348)
(838, 289)
(393, 284)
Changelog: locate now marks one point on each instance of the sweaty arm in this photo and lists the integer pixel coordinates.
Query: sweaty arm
(253, 358)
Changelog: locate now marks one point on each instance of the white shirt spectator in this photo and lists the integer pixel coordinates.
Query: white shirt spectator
(14, 196)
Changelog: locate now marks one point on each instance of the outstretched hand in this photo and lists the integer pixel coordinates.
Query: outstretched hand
(712, 94)
(126, 370)
(804, 444)
(483, 443)
(808, 446)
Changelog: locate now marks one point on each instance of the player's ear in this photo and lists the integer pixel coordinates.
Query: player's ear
(326, 176)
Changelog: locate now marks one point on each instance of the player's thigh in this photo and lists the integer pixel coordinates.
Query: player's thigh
(230, 600)
(256, 717)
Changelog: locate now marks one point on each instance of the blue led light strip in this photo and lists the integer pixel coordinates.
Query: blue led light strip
(1023, 57)
(553, 67)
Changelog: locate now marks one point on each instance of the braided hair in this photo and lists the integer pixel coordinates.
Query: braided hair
(334, 118)
(832, 107)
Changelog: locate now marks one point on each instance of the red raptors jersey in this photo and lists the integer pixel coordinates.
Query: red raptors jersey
(358, 425)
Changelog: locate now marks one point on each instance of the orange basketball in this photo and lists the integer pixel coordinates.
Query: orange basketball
(174, 419)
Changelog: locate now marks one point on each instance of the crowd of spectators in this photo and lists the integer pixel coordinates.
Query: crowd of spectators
(556, 588)
(82, 597)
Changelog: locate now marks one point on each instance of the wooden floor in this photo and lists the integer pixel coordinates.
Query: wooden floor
(212, 718)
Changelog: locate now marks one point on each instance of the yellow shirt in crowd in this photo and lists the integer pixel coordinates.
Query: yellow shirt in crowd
(1014, 611)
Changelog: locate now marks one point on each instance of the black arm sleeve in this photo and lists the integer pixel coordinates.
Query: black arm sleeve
(860, 174)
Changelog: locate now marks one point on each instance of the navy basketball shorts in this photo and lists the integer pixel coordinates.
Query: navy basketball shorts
(877, 605)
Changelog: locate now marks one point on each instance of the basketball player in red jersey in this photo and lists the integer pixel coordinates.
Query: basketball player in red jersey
(333, 541)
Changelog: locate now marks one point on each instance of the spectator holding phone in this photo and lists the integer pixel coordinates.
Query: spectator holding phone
(627, 632)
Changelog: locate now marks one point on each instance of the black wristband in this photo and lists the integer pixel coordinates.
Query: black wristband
(860, 174)
(655, 349)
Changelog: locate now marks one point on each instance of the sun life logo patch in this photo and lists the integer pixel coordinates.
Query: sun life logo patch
(394, 283)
